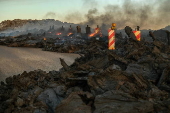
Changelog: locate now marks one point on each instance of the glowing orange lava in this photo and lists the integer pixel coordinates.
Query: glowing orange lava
(69, 34)
(58, 33)
(92, 34)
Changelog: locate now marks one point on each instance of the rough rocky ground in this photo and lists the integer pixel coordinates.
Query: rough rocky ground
(134, 78)
(131, 79)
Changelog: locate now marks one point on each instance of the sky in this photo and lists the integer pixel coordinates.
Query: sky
(41, 9)
(146, 13)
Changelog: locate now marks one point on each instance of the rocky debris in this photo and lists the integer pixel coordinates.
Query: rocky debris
(47, 45)
(63, 48)
(121, 102)
(74, 103)
(63, 63)
(133, 78)
(52, 97)
(2, 39)
(152, 35)
(162, 35)
(129, 32)
(22, 41)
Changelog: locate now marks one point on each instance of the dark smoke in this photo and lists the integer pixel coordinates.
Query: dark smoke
(74, 17)
(164, 11)
(146, 15)
(50, 15)
(91, 15)
(90, 3)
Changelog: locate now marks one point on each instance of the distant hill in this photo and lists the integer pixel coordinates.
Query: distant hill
(13, 23)
(18, 26)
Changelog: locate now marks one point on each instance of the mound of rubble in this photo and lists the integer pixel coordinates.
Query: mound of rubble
(131, 79)
(22, 41)
(162, 36)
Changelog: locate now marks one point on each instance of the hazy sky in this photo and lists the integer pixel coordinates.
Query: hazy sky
(142, 12)
(58, 9)
(39, 9)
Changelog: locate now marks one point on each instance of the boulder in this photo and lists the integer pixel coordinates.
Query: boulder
(73, 104)
(120, 102)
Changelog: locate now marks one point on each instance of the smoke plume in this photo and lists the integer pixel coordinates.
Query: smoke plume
(151, 15)
(74, 17)
(50, 15)
(90, 3)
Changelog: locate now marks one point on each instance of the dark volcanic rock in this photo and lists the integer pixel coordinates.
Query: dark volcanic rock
(120, 102)
(73, 104)
(131, 79)
(145, 69)
(162, 35)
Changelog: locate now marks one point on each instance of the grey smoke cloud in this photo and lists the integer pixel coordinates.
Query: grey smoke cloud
(90, 3)
(78, 16)
(164, 11)
(154, 15)
(50, 15)
(73, 17)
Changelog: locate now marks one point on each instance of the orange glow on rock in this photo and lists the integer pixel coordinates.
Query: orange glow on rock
(92, 34)
(69, 34)
(58, 33)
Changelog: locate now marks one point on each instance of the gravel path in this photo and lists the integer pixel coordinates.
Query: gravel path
(14, 60)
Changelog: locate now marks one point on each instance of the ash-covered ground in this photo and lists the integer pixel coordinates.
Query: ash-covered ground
(16, 60)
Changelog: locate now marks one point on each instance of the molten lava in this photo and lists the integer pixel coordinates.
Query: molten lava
(58, 33)
(92, 34)
(69, 34)
(45, 38)
(97, 32)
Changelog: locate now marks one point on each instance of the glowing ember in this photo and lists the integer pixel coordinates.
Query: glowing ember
(97, 31)
(45, 39)
(58, 34)
(92, 34)
(69, 34)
